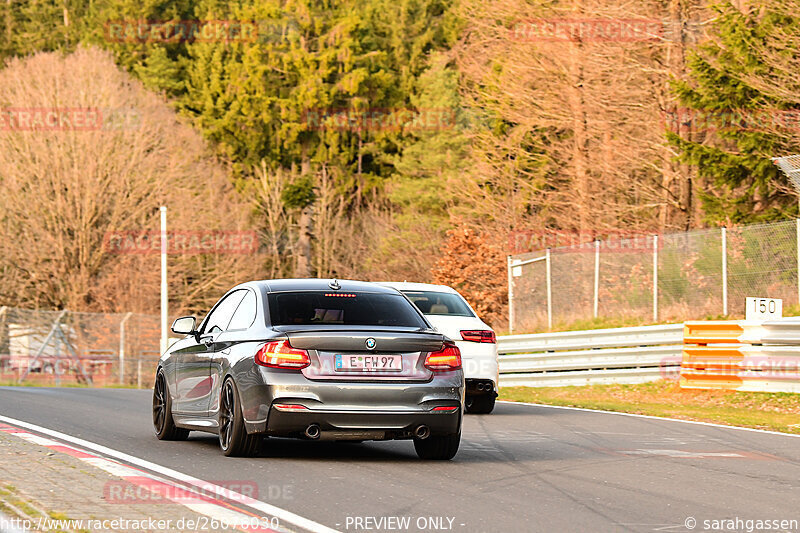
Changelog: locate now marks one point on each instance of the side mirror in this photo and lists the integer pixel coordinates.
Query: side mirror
(184, 325)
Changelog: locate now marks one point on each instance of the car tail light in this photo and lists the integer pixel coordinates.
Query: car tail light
(479, 335)
(280, 354)
(290, 407)
(448, 358)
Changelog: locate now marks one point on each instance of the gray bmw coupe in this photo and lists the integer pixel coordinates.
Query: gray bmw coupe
(311, 359)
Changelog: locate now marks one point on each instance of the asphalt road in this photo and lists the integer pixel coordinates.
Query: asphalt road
(522, 468)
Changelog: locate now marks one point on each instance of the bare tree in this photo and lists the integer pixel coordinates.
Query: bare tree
(582, 110)
(269, 186)
(106, 156)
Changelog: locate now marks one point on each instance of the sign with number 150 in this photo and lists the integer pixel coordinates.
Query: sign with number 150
(763, 308)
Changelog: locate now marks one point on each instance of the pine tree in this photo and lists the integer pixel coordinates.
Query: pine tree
(730, 124)
(28, 26)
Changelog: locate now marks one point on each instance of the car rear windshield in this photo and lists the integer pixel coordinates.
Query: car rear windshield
(439, 303)
(346, 308)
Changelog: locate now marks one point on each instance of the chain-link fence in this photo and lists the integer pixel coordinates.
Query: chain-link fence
(655, 278)
(65, 347)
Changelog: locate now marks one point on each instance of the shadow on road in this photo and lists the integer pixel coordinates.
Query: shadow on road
(475, 449)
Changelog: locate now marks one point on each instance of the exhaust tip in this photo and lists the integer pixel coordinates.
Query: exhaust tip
(422, 432)
(312, 431)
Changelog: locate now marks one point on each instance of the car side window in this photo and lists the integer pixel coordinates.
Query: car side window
(222, 313)
(245, 314)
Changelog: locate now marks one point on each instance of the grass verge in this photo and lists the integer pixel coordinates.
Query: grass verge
(771, 411)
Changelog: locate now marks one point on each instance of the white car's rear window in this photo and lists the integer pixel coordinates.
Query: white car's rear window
(439, 303)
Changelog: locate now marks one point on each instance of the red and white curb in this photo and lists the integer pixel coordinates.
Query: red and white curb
(165, 489)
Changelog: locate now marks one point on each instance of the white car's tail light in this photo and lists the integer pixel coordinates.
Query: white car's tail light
(478, 335)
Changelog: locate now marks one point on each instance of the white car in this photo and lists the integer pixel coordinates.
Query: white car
(452, 316)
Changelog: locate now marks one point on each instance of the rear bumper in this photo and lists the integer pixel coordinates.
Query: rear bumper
(393, 407)
(363, 425)
(481, 364)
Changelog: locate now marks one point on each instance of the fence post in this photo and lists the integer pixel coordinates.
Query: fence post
(139, 373)
(596, 276)
(725, 271)
(511, 298)
(122, 348)
(655, 278)
(549, 293)
(164, 300)
(798, 260)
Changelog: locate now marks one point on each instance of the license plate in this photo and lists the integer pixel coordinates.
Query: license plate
(369, 363)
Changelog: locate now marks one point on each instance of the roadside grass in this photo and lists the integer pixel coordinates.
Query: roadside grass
(770, 411)
(604, 323)
(12, 503)
(626, 322)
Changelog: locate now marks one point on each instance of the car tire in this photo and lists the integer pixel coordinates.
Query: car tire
(163, 423)
(438, 448)
(480, 404)
(233, 437)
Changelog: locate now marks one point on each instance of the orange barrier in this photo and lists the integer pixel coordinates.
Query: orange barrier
(740, 355)
(706, 367)
(711, 332)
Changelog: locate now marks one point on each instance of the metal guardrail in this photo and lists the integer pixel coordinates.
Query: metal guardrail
(591, 357)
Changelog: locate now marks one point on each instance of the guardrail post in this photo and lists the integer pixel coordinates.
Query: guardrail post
(510, 298)
(655, 278)
(725, 271)
(596, 276)
(549, 292)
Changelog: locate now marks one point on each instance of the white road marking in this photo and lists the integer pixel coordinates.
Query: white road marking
(681, 454)
(268, 509)
(650, 417)
(112, 467)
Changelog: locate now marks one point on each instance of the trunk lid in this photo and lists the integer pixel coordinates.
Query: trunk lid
(328, 346)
